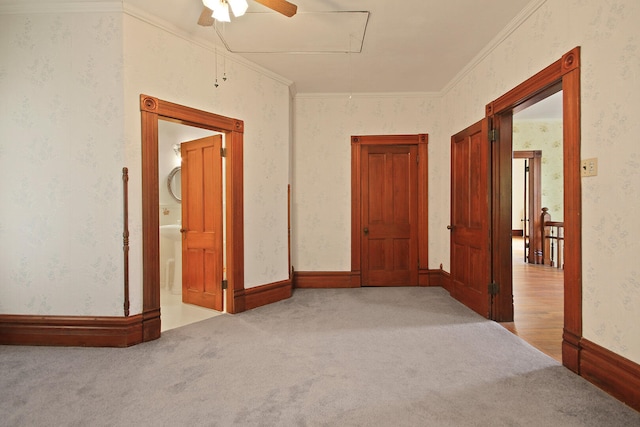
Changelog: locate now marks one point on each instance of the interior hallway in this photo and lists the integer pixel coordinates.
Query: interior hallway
(538, 298)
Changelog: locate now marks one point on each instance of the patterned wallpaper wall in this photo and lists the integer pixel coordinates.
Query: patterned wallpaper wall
(70, 121)
(61, 159)
(610, 57)
(161, 64)
(69, 108)
(547, 137)
(607, 32)
(324, 125)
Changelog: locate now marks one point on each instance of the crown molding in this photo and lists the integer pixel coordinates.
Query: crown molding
(521, 18)
(394, 95)
(53, 7)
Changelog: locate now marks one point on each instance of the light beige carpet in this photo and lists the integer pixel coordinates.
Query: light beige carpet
(343, 357)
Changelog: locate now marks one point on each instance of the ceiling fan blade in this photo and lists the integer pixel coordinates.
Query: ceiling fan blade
(282, 6)
(206, 20)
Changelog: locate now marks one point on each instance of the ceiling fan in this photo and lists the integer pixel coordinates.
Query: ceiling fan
(219, 9)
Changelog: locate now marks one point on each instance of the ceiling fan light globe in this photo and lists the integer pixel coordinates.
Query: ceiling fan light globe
(221, 12)
(238, 7)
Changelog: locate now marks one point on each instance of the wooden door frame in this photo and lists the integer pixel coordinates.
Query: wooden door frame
(563, 74)
(421, 140)
(151, 110)
(535, 200)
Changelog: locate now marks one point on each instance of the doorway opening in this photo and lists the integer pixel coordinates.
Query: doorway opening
(153, 110)
(171, 167)
(563, 75)
(537, 172)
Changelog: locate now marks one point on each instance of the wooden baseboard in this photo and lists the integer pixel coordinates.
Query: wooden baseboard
(323, 279)
(440, 278)
(571, 351)
(82, 331)
(614, 374)
(424, 277)
(267, 294)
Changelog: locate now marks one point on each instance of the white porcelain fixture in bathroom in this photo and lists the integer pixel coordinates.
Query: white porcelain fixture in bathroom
(172, 232)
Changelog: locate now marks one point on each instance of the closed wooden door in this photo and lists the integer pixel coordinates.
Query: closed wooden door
(202, 257)
(389, 192)
(470, 217)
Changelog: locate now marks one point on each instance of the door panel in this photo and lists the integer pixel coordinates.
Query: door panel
(470, 217)
(202, 256)
(389, 215)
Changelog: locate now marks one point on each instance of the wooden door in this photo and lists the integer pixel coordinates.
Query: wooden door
(470, 217)
(389, 191)
(202, 258)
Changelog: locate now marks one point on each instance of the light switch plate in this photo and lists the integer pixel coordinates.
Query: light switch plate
(589, 167)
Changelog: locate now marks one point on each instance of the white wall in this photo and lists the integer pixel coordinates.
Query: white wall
(321, 186)
(607, 32)
(160, 63)
(70, 121)
(68, 124)
(610, 58)
(61, 159)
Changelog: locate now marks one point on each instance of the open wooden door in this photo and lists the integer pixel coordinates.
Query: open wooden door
(470, 217)
(389, 188)
(202, 257)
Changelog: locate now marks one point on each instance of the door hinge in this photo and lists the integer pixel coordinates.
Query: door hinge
(225, 284)
(223, 152)
(494, 289)
(493, 135)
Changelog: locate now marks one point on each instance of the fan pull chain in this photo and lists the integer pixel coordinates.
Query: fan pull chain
(215, 57)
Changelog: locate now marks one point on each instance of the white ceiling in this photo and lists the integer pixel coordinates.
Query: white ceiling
(408, 46)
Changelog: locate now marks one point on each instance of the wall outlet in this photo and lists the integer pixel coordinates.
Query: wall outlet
(589, 167)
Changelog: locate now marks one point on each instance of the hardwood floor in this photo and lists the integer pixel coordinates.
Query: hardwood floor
(538, 299)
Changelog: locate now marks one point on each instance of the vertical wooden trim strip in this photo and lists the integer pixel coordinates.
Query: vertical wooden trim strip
(572, 204)
(355, 211)
(423, 207)
(235, 301)
(289, 229)
(150, 219)
(125, 238)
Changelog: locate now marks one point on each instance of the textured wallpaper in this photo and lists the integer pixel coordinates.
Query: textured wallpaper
(169, 67)
(70, 121)
(545, 136)
(61, 158)
(607, 32)
(610, 55)
(322, 166)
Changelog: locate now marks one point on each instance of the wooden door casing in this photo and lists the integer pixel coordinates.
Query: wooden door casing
(202, 255)
(389, 215)
(358, 143)
(563, 74)
(470, 217)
